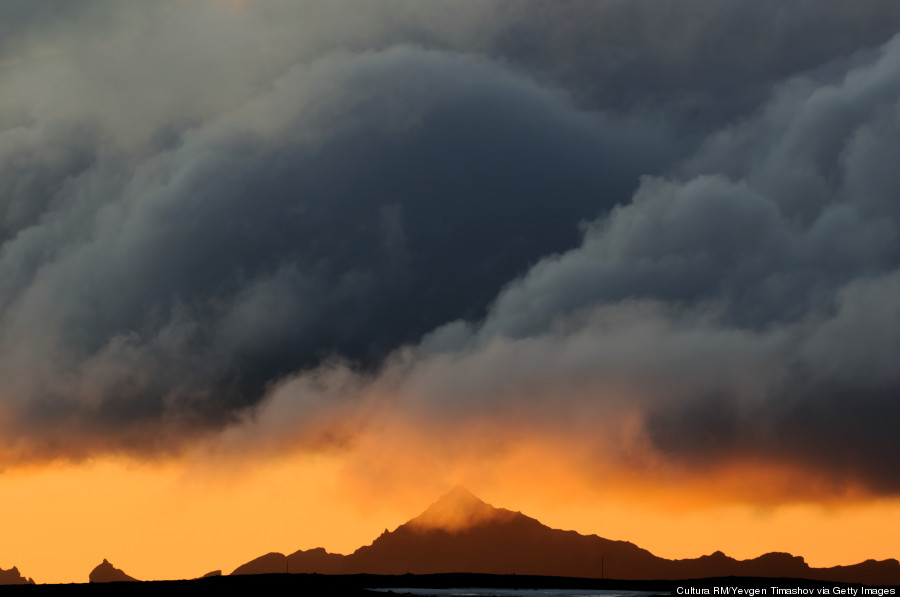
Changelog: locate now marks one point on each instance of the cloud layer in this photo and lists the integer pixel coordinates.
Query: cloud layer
(289, 220)
(742, 309)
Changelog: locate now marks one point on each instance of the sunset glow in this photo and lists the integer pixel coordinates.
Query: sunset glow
(181, 520)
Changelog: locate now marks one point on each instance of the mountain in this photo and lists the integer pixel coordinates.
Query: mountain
(461, 533)
(13, 577)
(106, 572)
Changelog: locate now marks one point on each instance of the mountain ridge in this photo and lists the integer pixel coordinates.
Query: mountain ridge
(461, 533)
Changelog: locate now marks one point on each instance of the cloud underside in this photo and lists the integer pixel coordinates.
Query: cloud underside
(406, 215)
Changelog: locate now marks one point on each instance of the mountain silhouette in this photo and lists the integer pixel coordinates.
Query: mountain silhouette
(106, 572)
(13, 577)
(461, 533)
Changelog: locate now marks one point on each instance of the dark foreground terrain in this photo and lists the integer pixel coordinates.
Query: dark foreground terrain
(368, 585)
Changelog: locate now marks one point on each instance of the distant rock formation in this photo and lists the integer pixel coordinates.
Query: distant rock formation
(461, 533)
(315, 561)
(271, 563)
(13, 577)
(106, 572)
(311, 561)
(213, 573)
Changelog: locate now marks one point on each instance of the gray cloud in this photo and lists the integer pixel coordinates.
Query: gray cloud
(768, 219)
(743, 309)
(361, 201)
(831, 409)
(702, 63)
(200, 205)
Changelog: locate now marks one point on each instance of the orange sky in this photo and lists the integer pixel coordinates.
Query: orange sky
(183, 518)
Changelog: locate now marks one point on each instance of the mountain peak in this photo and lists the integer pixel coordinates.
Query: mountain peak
(460, 496)
(106, 572)
(455, 510)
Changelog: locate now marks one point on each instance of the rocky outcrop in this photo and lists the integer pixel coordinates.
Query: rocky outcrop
(106, 572)
(13, 577)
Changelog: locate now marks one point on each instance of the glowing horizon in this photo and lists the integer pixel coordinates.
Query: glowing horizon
(183, 518)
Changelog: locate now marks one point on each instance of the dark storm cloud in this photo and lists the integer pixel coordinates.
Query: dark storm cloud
(833, 408)
(362, 201)
(768, 274)
(702, 63)
(203, 202)
(768, 219)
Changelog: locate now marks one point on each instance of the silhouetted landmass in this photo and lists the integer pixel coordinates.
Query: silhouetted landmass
(460, 541)
(271, 563)
(106, 572)
(315, 561)
(311, 561)
(359, 585)
(461, 533)
(13, 577)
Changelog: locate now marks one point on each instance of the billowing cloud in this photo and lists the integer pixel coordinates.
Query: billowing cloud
(741, 310)
(299, 222)
(352, 207)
